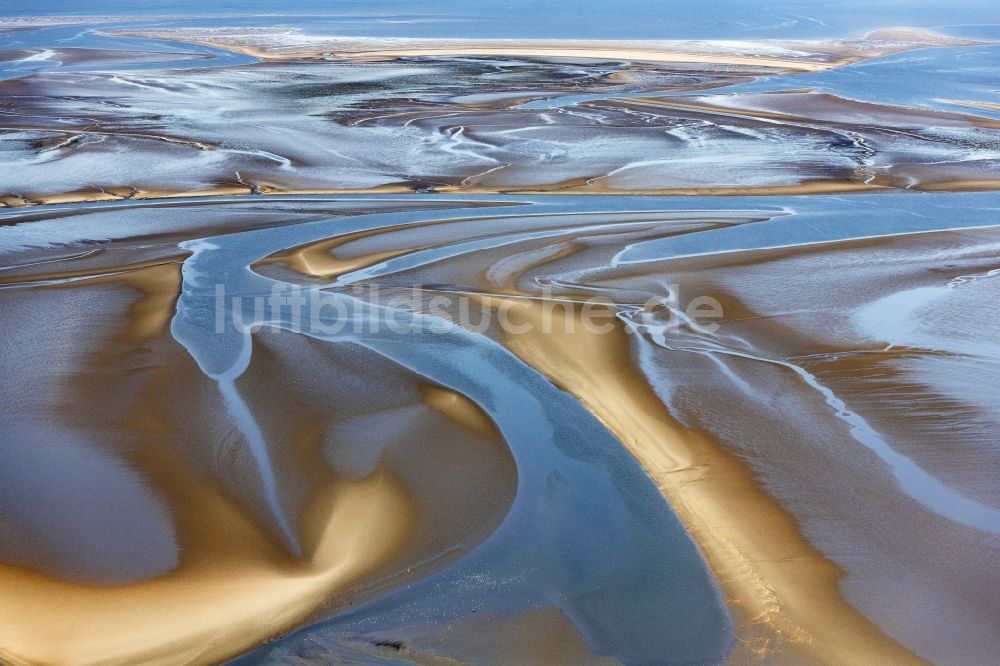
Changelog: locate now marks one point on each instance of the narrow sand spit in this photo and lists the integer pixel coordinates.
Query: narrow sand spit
(277, 44)
(783, 591)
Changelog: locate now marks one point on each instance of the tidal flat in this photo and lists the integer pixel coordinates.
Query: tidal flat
(348, 347)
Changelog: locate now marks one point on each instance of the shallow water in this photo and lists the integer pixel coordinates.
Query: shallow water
(626, 19)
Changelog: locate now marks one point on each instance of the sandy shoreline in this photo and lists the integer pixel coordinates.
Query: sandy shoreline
(790, 55)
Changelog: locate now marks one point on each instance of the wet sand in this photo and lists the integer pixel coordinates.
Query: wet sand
(92, 57)
(787, 596)
(462, 492)
(791, 595)
(785, 592)
(213, 607)
(481, 124)
(235, 583)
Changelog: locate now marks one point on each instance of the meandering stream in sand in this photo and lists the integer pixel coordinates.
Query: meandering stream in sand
(575, 484)
(346, 338)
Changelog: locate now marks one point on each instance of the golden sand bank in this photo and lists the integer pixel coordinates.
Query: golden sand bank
(782, 591)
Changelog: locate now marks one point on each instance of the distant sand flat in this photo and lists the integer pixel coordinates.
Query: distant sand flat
(278, 44)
